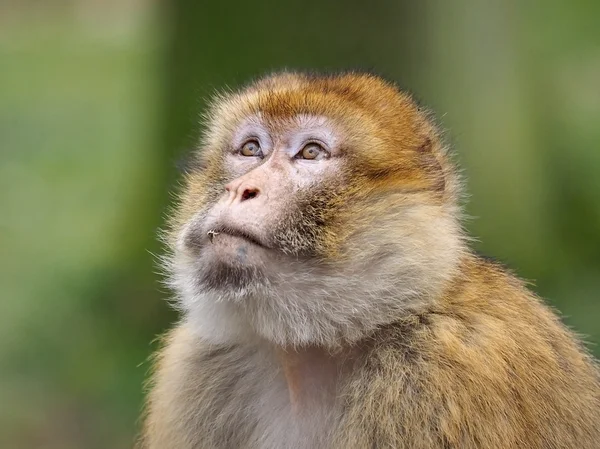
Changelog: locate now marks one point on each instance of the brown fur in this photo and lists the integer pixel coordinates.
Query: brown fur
(492, 367)
(465, 358)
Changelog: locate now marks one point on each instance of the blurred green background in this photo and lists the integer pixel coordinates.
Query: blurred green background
(100, 98)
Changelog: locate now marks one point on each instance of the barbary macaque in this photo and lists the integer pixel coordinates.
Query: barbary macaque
(330, 299)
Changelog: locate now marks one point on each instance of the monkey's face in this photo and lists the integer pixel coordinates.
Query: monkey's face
(273, 202)
(324, 207)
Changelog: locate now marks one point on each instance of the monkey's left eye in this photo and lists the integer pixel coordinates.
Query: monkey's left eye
(251, 148)
(311, 151)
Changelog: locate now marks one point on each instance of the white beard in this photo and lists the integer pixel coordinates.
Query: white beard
(304, 302)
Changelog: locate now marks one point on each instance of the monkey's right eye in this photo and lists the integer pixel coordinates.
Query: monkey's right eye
(251, 148)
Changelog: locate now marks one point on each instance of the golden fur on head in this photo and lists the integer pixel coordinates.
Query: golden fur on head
(389, 217)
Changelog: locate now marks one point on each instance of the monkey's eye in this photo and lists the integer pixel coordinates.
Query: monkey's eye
(251, 148)
(310, 151)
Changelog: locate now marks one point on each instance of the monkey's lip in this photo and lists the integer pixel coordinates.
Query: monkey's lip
(235, 232)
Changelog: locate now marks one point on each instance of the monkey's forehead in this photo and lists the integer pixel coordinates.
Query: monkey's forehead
(383, 131)
(352, 100)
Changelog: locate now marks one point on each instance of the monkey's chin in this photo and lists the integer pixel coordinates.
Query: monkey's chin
(233, 262)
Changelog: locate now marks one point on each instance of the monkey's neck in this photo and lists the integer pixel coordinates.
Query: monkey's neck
(312, 375)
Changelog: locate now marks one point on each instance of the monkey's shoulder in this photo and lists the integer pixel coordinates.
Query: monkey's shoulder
(204, 394)
(490, 323)
(492, 363)
(187, 354)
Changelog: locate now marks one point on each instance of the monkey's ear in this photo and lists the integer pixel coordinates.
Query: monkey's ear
(189, 162)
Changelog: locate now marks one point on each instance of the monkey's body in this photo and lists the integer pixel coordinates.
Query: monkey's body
(491, 368)
(358, 319)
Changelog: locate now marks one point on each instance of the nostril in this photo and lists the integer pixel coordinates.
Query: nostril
(248, 194)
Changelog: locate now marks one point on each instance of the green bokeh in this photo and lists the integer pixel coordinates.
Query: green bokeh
(98, 100)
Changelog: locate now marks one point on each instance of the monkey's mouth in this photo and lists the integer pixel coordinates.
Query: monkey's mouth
(218, 232)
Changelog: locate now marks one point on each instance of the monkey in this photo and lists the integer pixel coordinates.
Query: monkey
(330, 297)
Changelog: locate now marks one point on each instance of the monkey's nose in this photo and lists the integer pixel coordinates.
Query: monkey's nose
(249, 193)
(243, 191)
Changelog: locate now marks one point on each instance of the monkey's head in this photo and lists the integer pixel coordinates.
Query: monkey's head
(320, 208)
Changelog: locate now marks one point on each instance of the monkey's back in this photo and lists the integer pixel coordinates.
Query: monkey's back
(490, 367)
